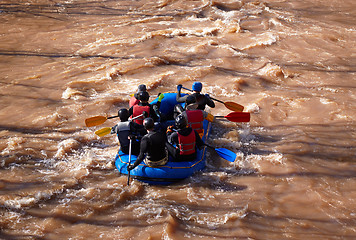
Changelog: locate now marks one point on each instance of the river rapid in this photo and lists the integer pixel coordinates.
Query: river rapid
(292, 64)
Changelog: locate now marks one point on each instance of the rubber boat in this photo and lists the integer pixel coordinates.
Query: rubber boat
(172, 172)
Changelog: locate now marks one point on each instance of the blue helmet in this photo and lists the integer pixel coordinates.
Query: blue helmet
(197, 86)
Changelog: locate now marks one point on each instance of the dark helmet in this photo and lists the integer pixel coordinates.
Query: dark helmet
(142, 88)
(123, 114)
(190, 99)
(181, 121)
(148, 123)
(197, 86)
(143, 96)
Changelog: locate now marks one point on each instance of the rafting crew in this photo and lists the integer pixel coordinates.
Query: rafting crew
(126, 130)
(152, 148)
(183, 142)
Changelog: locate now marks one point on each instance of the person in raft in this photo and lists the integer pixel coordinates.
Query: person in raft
(153, 147)
(194, 116)
(201, 99)
(143, 106)
(134, 99)
(125, 130)
(182, 144)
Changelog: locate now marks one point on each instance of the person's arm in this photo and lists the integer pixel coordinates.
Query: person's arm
(172, 137)
(153, 113)
(198, 141)
(131, 111)
(179, 98)
(209, 102)
(114, 129)
(141, 156)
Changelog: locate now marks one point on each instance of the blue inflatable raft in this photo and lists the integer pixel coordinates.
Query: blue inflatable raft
(173, 171)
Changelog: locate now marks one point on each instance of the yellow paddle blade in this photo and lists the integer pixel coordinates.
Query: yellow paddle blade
(234, 106)
(95, 121)
(102, 132)
(210, 117)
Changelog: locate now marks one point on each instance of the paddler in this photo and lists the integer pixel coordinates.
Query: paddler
(125, 130)
(201, 99)
(186, 140)
(143, 106)
(134, 99)
(194, 116)
(153, 147)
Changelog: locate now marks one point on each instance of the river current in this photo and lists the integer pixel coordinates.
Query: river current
(291, 64)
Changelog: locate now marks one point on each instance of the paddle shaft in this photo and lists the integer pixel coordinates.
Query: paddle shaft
(105, 131)
(128, 176)
(230, 105)
(209, 96)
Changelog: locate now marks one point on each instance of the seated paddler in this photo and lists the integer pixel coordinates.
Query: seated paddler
(151, 111)
(201, 99)
(125, 130)
(194, 116)
(183, 142)
(152, 148)
(134, 99)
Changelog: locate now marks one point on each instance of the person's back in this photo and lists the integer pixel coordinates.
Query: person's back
(201, 100)
(156, 144)
(144, 107)
(195, 119)
(152, 148)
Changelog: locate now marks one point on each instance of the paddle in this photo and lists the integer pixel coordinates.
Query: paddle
(102, 132)
(224, 153)
(106, 130)
(233, 117)
(230, 105)
(128, 176)
(237, 116)
(97, 120)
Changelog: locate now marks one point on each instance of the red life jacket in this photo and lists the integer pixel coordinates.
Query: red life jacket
(187, 143)
(133, 101)
(195, 120)
(138, 110)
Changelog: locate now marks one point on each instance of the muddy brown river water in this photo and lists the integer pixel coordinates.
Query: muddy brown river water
(292, 64)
